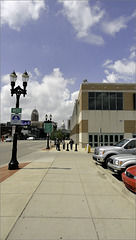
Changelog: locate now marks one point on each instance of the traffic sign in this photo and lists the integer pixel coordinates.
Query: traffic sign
(16, 110)
(48, 127)
(15, 119)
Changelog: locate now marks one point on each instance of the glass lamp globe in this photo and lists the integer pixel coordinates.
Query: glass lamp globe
(13, 77)
(25, 77)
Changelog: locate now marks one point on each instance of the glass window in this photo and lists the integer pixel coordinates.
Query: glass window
(91, 104)
(116, 138)
(105, 100)
(91, 101)
(121, 137)
(101, 138)
(105, 138)
(131, 144)
(95, 138)
(112, 101)
(119, 101)
(90, 138)
(91, 94)
(111, 138)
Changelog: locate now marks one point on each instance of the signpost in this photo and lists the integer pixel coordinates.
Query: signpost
(16, 110)
(48, 127)
(15, 119)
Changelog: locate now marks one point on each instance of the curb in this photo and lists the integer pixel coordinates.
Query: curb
(118, 185)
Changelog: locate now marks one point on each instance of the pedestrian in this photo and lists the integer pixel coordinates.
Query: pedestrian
(71, 143)
(57, 144)
(63, 143)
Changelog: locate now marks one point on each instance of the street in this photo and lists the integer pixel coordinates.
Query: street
(24, 147)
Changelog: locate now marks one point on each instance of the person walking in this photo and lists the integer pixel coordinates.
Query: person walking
(57, 144)
(63, 143)
(71, 143)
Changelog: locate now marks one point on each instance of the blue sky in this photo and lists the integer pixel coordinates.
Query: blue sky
(61, 43)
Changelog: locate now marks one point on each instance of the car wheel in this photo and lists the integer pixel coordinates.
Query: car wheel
(104, 164)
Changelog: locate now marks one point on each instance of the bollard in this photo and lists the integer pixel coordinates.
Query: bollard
(76, 147)
(88, 148)
(67, 147)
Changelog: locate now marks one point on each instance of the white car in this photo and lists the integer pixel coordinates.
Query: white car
(30, 138)
(9, 139)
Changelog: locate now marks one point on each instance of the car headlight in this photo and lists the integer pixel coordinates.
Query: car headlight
(101, 152)
(117, 162)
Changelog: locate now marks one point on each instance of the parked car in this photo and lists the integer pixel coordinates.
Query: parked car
(121, 162)
(129, 178)
(103, 153)
(30, 138)
(8, 139)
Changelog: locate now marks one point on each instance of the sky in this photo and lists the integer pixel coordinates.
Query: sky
(60, 43)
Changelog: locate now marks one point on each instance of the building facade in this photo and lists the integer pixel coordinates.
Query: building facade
(104, 113)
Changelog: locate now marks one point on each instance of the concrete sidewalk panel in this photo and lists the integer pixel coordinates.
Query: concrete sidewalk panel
(63, 170)
(53, 229)
(13, 204)
(93, 178)
(57, 206)
(38, 165)
(61, 178)
(64, 164)
(96, 188)
(60, 188)
(28, 174)
(110, 207)
(6, 224)
(117, 229)
(18, 186)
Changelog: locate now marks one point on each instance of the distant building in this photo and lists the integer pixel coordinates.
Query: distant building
(63, 125)
(104, 113)
(35, 115)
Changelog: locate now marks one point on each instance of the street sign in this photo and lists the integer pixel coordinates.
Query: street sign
(15, 119)
(16, 110)
(48, 127)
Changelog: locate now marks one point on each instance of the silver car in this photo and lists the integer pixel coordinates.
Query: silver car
(103, 153)
(119, 163)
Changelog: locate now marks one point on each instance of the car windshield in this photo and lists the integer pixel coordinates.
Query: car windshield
(121, 143)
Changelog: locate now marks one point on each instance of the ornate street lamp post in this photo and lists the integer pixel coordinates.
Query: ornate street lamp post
(18, 91)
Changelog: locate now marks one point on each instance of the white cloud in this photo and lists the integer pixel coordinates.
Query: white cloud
(83, 18)
(17, 13)
(113, 27)
(133, 52)
(37, 72)
(122, 70)
(107, 62)
(51, 95)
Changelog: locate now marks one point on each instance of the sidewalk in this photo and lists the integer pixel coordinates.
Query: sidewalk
(63, 195)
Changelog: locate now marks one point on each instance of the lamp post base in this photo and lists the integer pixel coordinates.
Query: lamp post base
(14, 163)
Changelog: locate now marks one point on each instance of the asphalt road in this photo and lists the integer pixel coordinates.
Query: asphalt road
(23, 148)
